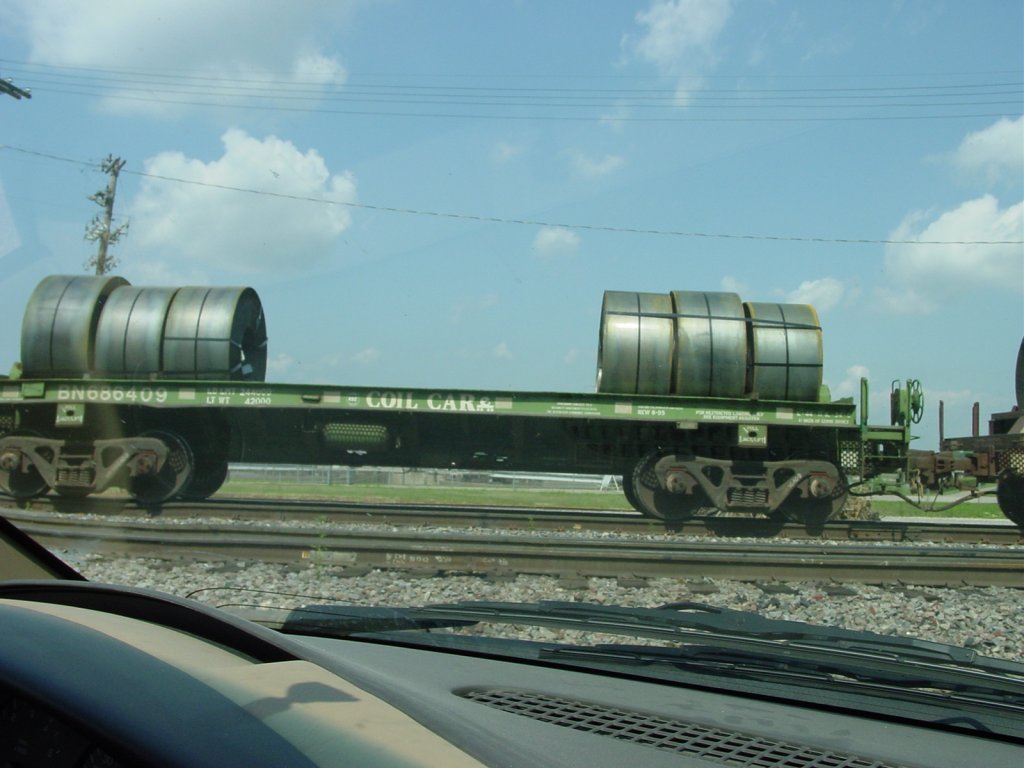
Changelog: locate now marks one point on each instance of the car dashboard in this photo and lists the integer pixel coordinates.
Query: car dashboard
(95, 675)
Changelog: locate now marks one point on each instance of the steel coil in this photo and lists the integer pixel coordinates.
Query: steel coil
(635, 345)
(710, 344)
(129, 337)
(58, 331)
(215, 333)
(657, 342)
(786, 351)
(617, 343)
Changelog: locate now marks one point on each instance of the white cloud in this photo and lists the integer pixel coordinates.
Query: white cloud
(366, 357)
(556, 241)
(615, 119)
(314, 67)
(503, 152)
(994, 153)
(850, 385)
(142, 269)
(822, 294)
(588, 167)
(678, 39)
(9, 238)
(731, 285)
(678, 32)
(238, 41)
(473, 306)
(217, 227)
(278, 365)
(906, 300)
(922, 274)
(502, 351)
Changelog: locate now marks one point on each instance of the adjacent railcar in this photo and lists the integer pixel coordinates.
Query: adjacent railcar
(994, 457)
(703, 401)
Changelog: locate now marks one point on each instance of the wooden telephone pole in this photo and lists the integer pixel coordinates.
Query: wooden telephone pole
(7, 86)
(100, 227)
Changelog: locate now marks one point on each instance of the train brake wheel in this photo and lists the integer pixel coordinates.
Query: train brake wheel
(163, 485)
(1010, 495)
(654, 501)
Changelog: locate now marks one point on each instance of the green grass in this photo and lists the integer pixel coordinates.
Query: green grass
(396, 494)
(970, 509)
(539, 499)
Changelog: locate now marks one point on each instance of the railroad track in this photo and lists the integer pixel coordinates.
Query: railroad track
(431, 551)
(531, 518)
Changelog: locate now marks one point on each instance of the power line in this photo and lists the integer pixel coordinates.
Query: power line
(366, 79)
(255, 86)
(514, 221)
(559, 103)
(659, 99)
(549, 117)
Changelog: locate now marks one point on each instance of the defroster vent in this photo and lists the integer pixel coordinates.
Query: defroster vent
(714, 744)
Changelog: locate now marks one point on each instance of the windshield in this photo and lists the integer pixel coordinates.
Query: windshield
(400, 304)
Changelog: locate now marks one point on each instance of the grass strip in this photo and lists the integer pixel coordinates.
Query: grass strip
(536, 498)
(397, 494)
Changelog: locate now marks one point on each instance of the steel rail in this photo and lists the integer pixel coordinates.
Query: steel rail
(432, 552)
(1000, 532)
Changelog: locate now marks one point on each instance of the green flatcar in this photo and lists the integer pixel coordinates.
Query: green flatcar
(703, 401)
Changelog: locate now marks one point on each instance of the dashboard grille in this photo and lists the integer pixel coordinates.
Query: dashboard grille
(725, 747)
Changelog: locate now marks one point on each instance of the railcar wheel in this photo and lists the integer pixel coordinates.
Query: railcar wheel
(167, 482)
(655, 501)
(207, 478)
(1010, 495)
(629, 491)
(23, 481)
(814, 511)
(25, 485)
(209, 439)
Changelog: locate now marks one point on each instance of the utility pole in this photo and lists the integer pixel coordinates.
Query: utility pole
(100, 226)
(7, 86)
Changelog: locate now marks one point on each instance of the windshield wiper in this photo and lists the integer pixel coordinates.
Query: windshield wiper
(745, 640)
(721, 648)
(711, 637)
(346, 620)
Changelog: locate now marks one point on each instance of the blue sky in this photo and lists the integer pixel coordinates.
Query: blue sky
(438, 193)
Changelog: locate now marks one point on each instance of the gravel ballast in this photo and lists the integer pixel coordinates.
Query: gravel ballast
(987, 620)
